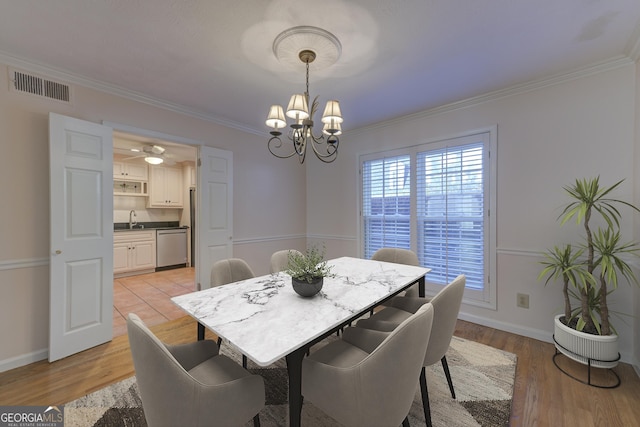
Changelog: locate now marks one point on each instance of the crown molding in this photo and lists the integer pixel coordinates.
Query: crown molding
(611, 64)
(633, 50)
(111, 89)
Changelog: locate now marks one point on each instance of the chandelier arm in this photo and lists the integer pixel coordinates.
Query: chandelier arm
(297, 139)
(277, 143)
(331, 149)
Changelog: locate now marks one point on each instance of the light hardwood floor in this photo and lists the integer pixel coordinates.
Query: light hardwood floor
(542, 395)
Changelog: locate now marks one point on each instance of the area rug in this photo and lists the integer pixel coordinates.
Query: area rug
(483, 379)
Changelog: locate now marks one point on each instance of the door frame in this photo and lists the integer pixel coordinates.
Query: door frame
(133, 130)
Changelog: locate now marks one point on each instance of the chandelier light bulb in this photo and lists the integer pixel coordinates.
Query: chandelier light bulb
(276, 119)
(298, 108)
(332, 112)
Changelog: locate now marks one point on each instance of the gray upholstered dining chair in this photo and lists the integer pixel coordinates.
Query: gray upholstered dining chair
(280, 259)
(399, 256)
(191, 384)
(228, 271)
(446, 306)
(369, 378)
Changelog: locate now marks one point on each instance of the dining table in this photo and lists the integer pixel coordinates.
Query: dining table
(264, 319)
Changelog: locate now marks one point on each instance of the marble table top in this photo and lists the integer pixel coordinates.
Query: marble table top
(266, 320)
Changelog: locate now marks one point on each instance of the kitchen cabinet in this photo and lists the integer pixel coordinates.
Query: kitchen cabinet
(134, 251)
(165, 187)
(130, 171)
(129, 188)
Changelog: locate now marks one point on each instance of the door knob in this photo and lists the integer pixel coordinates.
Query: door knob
(58, 252)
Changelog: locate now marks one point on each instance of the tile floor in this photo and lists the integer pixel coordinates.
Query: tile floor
(148, 295)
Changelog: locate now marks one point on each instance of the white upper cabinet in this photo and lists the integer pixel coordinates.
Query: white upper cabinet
(165, 187)
(130, 171)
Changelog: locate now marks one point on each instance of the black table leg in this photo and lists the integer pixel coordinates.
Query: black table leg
(200, 331)
(421, 287)
(294, 368)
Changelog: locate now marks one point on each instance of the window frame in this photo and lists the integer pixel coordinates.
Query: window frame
(486, 297)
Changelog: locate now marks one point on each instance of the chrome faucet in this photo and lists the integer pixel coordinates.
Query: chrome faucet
(132, 221)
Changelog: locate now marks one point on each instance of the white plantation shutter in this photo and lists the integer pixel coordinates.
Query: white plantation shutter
(451, 213)
(435, 199)
(386, 207)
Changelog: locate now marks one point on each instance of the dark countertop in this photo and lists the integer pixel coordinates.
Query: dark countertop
(124, 226)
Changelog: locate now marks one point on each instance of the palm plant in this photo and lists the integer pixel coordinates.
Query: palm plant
(563, 262)
(595, 276)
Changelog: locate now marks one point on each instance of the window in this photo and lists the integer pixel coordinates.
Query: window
(435, 199)
(386, 213)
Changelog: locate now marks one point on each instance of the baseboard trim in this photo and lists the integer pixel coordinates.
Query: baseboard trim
(23, 360)
(537, 334)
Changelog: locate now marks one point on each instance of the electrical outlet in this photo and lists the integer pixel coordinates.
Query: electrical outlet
(522, 300)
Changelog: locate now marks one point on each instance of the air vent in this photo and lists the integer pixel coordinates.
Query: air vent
(40, 86)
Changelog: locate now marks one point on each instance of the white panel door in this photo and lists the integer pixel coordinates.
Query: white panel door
(215, 226)
(81, 212)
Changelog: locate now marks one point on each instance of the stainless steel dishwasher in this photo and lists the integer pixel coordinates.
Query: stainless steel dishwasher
(171, 247)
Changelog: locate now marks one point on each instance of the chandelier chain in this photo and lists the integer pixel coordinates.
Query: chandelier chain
(307, 92)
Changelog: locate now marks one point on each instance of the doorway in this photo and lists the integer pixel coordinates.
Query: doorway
(141, 288)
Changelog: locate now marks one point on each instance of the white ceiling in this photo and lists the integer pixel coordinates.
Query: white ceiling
(213, 58)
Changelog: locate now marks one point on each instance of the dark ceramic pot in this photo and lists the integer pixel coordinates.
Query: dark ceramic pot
(306, 289)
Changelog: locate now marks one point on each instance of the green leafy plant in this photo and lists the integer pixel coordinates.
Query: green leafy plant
(591, 273)
(309, 265)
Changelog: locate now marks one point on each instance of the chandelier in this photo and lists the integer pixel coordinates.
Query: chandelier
(308, 43)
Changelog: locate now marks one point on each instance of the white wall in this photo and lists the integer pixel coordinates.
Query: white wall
(636, 157)
(269, 199)
(547, 137)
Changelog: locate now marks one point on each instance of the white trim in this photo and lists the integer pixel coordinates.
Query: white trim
(519, 252)
(125, 93)
(608, 65)
(119, 127)
(538, 334)
(252, 240)
(331, 237)
(23, 359)
(23, 263)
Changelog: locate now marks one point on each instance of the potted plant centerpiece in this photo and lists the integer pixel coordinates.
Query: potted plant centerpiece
(308, 270)
(590, 272)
